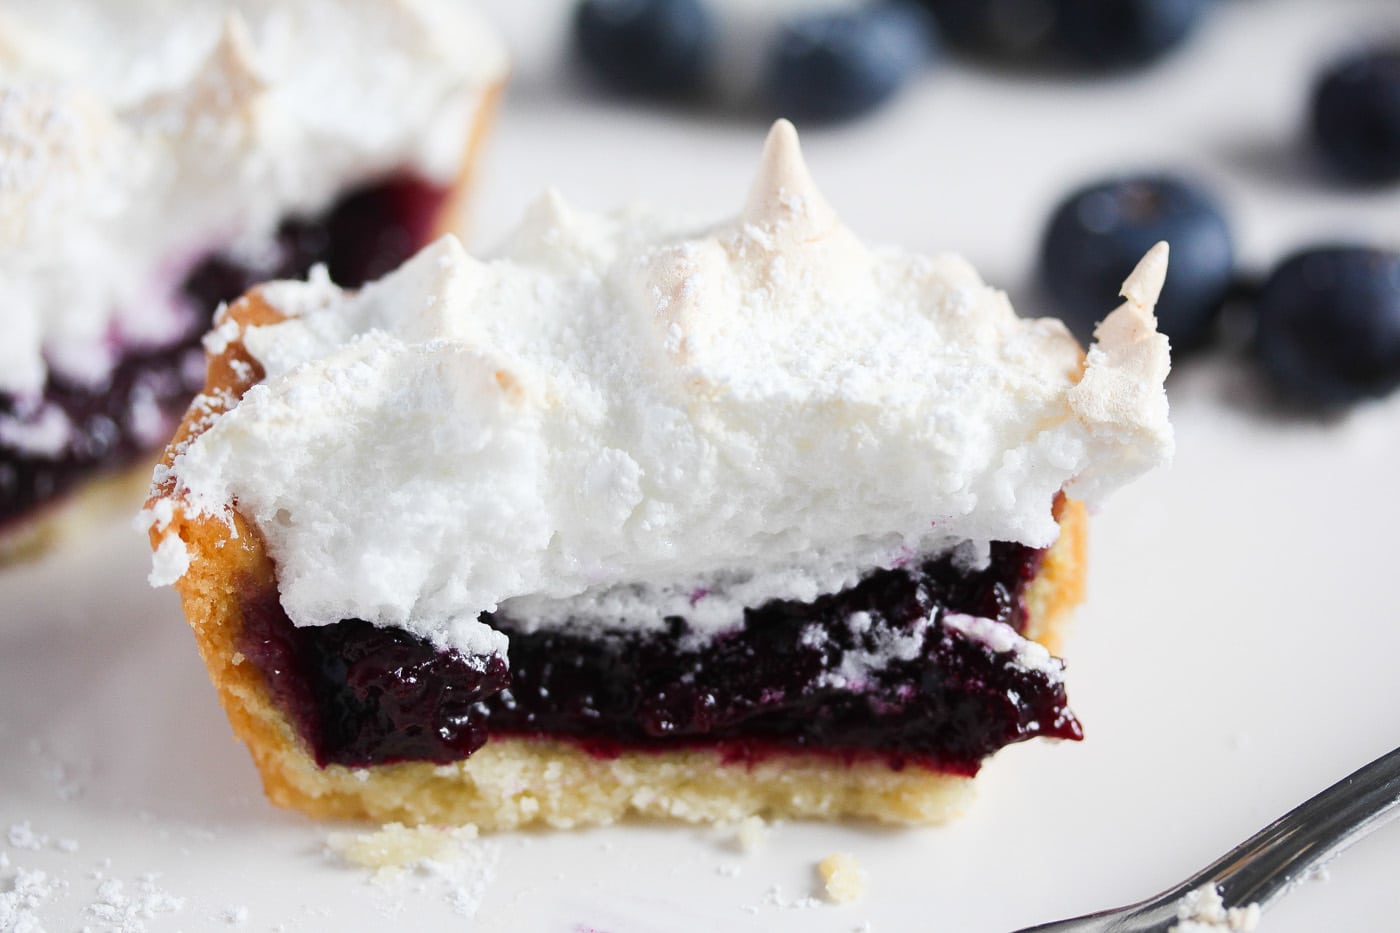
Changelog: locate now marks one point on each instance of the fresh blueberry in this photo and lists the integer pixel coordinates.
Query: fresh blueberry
(1111, 35)
(1328, 325)
(1101, 35)
(1356, 116)
(1097, 234)
(1011, 30)
(650, 47)
(838, 64)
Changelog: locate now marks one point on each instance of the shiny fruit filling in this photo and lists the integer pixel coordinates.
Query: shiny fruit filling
(871, 671)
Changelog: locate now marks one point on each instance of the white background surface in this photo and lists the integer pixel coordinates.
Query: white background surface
(1237, 652)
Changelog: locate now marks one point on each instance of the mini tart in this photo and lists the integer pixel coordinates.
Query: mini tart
(520, 781)
(76, 437)
(647, 520)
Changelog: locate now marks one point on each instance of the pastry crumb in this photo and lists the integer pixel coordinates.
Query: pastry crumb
(753, 833)
(842, 878)
(395, 846)
(407, 861)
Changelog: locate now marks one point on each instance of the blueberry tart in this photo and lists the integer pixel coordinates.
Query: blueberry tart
(153, 165)
(643, 516)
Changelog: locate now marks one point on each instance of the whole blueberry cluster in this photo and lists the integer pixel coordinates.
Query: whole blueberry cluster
(838, 61)
(1086, 35)
(1326, 320)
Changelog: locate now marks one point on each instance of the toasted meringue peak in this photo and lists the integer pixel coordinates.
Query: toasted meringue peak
(619, 411)
(1118, 398)
(231, 79)
(783, 195)
(1143, 286)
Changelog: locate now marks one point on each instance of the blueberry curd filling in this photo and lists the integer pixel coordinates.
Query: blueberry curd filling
(365, 234)
(872, 671)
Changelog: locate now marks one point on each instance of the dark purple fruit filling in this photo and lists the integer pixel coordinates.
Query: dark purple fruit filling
(369, 695)
(364, 235)
(794, 676)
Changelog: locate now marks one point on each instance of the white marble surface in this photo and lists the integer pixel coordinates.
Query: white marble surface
(1236, 654)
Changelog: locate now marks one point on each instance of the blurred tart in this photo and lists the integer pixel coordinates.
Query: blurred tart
(648, 517)
(156, 160)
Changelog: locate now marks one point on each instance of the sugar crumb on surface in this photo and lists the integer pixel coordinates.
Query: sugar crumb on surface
(843, 879)
(234, 916)
(774, 897)
(23, 836)
(118, 906)
(22, 896)
(1204, 911)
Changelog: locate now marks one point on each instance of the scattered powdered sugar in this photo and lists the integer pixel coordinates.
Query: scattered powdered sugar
(115, 906)
(27, 891)
(23, 836)
(123, 908)
(235, 916)
(1204, 911)
(622, 409)
(774, 897)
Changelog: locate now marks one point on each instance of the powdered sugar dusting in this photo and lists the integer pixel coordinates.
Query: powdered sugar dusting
(125, 908)
(624, 413)
(20, 905)
(23, 836)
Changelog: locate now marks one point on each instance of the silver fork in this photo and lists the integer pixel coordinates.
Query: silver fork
(1273, 860)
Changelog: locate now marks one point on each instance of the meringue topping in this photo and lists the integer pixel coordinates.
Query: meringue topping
(624, 416)
(137, 137)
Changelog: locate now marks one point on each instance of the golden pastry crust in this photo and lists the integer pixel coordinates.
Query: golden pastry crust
(110, 494)
(517, 782)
